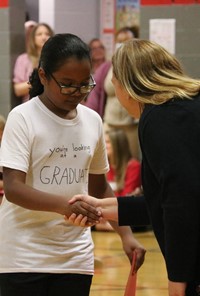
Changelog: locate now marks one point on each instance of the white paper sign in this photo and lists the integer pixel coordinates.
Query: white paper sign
(162, 31)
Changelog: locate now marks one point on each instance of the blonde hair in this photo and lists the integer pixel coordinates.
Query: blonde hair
(31, 46)
(150, 74)
(121, 154)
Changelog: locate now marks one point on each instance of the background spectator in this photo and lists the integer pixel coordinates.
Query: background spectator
(104, 101)
(124, 174)
(28, 26)
(98, 53)
(27, 61)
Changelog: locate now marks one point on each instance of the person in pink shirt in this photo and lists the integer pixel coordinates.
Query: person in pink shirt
(28, 60)
(98, 53)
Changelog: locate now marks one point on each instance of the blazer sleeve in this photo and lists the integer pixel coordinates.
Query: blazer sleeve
(133, 211)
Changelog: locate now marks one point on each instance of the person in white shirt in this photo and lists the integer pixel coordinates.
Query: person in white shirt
(53, 148)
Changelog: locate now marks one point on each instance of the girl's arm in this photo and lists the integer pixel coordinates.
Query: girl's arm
(17, 192)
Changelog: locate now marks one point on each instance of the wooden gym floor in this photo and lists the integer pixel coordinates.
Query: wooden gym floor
(112, 266)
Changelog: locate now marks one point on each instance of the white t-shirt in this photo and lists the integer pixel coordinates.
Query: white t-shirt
(57, 155)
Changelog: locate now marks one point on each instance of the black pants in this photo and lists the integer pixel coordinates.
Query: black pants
(44, 284)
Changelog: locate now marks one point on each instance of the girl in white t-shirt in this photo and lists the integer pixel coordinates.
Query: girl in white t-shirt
(53, 148)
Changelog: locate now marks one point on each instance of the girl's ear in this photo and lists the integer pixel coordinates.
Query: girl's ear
(42, 76)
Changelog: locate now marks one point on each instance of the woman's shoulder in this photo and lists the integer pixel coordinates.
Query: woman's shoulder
(173, 109)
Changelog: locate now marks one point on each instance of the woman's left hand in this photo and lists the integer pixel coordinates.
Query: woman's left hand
(131, 245)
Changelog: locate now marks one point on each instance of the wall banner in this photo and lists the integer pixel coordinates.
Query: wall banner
(3, 3)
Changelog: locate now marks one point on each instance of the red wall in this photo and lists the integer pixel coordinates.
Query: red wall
(3, 3)
(169, 2)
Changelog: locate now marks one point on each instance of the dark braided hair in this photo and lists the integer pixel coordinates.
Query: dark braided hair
(55, 52)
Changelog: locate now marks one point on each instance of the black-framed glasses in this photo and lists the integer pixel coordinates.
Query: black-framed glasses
(71, 89)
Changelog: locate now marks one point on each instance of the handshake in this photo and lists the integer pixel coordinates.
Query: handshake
(87, 210)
